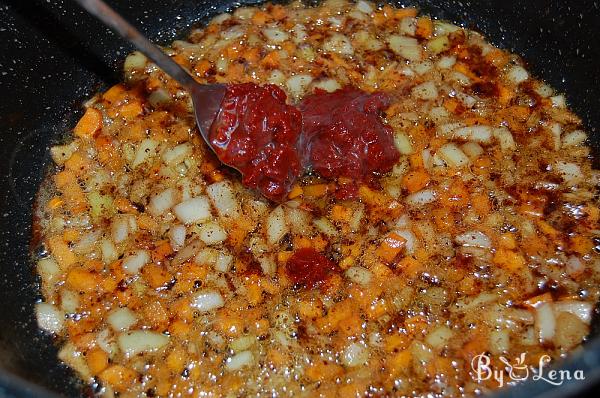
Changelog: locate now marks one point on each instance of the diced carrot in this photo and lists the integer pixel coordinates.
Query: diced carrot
(156, 276)
(203, 67)
(546, 228)
(131, 109)
(82, 281)
(456, 196)
(118, 377)
(391, 246)
(61, 252)
(181, 60)
(424, 27)
(415, 180)
(179, 329)
(509, 260)
(146, 222)
(71, 235)
(341, 213)
(55, 203)
(252, 55)
(581, 244)
(409, 266)
(324, 370)
(481, 204)
(301, 242)
(507, 241)
(162, 250)
(271, 60)
(115, 94)
(315, 190)
(182, 308)
(228, 323)
(176, 359)
(278, 12)
(405, 12)
(373, 198)
(77, 163)
(260, 18)
(443, 218)
(89, 124)
(416, 161)
(284, 256)
(97, 360)
(295, 192)
(394, 342)
(399, 363)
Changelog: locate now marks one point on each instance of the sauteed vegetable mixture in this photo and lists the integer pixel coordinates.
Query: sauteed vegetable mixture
(165, 276)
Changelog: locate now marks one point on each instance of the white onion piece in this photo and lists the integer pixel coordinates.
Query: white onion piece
(48, 270)
(242, 343)
(122, 319)
(162, 202)
(193, 210)
(453, 156)
(177, 154)
(135, 60)
(338, 43)
(275, 36)
(505, 139)
(364, 6)
(267, 265)
(297, 84)
(326, 227)
(120, 229)
(421, 198)
(472, 149)
(74, 359)
(499, 341)
(299, 34)
(446, 130)
(439, 337)
(574, 138)
(207, 300)
(355, 354)
(481, 134)
(239, 360)
(359, 275)
(145, 151)
(570, 172)
(207, 256)
(580, 309)
(69, 301)
(474, 239)
(406, 47)
(517, 74)
(574, 266)
(403, 143)
(276, 226)
(299, 220)
(329, 85)
(140, 341)
(422, 67)
(212, 233)
(446, 62)
(425, 91)
(108, 250)
(187, 252)
(408, 26)
(177, 236)
(558, 101)
(106, 342)
(134, 263)
(545, 322)
(223, 198)
(49, 318)
(223, 262)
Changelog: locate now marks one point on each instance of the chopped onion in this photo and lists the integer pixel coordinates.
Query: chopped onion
(446, 62)
(187, 252)
(425, 91)
(299, 220)
(297, 84)
(223, 262)
(574, 266)
(472, 149)
(207, 300)
(474, 239)
(162, 202)
(359, 275)
(193, 210)
(212, 233)
(411, 240)
(74, 359)
(48, 269)
(223, 198)
(574, 138)
(69, 301)
(326, 227)
(422, 67)
(108, 250)
(403, 143)
(505, 138)
(338, 43)
(570, 172)
(453, 156)
(406, 47)
(145, 150)
(267, 265)
(120, 229)
(177, 236)
(239, 360)
(355, 354)
(61, 153)
(275, 36)
(49, 318)
(545, 321)
(178, 154)
(580, 309)
(517, 74)
(499, 341)
(329, 85)
(141, 341)
(122, 319)
(364, 6)
(206, 256)
(558, 101)
(276, 226)
(408, 26)
(135, 60)
(439, 337)
(481, 134)
(421, 198)
(134, 263)
(242, 343)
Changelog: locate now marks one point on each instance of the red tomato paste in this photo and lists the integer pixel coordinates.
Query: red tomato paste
(309, 268)
(271, 143)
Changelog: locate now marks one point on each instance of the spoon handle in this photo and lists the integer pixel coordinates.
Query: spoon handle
(112, 19)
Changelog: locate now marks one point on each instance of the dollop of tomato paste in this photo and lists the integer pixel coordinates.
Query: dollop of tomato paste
(256, 132)
(309, 268)
(339, 134)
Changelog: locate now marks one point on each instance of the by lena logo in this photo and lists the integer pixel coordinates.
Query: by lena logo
(519, 371)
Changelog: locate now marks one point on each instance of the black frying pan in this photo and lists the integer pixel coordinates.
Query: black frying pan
(53, 56)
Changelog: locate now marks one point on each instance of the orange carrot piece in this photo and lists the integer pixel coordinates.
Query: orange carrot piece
(89, 124)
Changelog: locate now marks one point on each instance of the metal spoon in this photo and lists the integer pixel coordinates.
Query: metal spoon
(206, 98)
